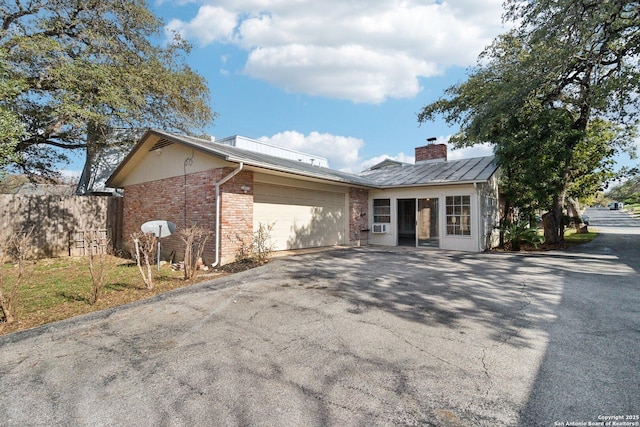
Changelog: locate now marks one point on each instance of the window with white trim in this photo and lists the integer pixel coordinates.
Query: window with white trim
(458, 215)
(382, 210)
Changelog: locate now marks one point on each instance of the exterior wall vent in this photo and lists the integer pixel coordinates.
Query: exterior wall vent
(161, 144)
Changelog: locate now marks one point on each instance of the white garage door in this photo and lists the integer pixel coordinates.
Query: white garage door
(301, 218)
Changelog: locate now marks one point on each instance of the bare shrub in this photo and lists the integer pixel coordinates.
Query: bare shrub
(145, 245)
(262, 244)
(259, 249)
(243, 253)
(97, 259)
(15, 247)
(194, 239)
(8, 292)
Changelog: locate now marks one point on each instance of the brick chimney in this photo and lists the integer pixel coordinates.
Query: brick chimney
(431, 153)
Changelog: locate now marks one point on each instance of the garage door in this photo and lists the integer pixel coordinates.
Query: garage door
(301, 218)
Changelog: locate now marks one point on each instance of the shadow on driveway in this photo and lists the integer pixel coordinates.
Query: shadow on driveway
(362, 336)
(437, 288)
(590, 370)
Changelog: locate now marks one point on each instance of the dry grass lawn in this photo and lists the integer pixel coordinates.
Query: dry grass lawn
(59, 288)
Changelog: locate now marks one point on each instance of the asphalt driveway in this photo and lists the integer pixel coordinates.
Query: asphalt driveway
(362, 336)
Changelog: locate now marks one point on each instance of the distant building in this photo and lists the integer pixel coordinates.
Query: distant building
(264, 148)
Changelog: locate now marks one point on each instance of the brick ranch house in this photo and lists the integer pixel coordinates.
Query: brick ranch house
(231, 191)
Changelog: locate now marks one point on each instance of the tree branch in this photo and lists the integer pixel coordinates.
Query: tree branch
(34, 140)
(10, 18)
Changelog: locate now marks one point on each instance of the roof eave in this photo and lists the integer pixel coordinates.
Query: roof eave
(284, 170)
(151, 132)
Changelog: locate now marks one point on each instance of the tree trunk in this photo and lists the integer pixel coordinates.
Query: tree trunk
(574, 208)
(505, 220)
(96, 135)
(553, 221)
(550, 228)
(5, 307)
(556, 227)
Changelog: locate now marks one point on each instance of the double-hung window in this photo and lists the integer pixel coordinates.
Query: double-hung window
(382, 210)
(458, 215)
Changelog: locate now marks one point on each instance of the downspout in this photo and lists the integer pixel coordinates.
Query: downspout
(481, 231)
(218, 185)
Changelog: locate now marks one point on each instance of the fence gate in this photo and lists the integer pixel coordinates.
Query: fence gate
(96, 242)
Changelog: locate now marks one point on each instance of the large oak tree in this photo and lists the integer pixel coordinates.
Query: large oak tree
(80, 69)
(557, 97)
(11, 130)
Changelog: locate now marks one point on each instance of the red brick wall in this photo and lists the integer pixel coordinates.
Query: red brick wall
(166, 199)
(358, 216)
(236, 215)
(431, 152)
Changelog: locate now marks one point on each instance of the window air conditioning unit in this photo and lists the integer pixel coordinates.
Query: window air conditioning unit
(379, 228)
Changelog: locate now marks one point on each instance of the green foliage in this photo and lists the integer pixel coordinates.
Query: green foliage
(518, 233)
(11, 129)
(574, 238)
(628, 192)
(89, 66)
(10, 133)
(557, 98)
(592, 163)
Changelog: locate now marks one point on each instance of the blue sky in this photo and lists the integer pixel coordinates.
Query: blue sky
(342, 79)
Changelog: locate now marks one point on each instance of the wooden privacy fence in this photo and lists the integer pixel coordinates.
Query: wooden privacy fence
(60, 222)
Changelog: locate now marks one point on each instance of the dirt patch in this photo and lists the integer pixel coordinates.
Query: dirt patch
(238, 266)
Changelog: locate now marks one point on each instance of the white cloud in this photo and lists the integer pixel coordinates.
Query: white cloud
(360, 51)
(372, 76)
(70, 176)
(480, 150)
(210, 25)
(343, 152)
